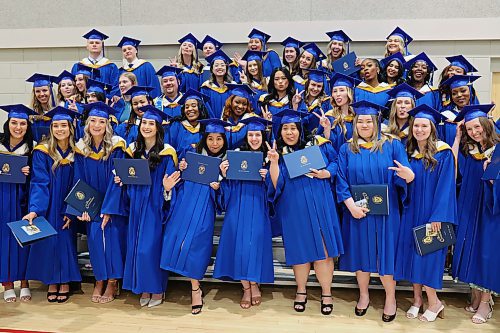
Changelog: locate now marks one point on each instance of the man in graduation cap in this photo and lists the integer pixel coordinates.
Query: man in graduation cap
(168, 102)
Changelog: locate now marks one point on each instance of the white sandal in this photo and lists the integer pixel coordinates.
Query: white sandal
(479, 319)
(431, 316)
(25, 294)
(413, 312)
(9, 296)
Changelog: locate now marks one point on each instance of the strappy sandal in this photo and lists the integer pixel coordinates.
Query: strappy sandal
(107, 299)
(326, 309)
(300, 306)
(245, 304)
(479, 319)
(256, 300)
(196, 309)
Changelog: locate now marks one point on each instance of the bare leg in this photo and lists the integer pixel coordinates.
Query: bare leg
(417, 295)
(324, 273)
(363, 283)
(301, 273)
(196, 296)
(390, 294)
(245, 302)
(484, 307)
(97, 293)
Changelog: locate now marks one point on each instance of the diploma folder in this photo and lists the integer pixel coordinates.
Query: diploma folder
(301, 161)
(244, 165)
(374, 197)
(493, 169)
(201, 168)
(427, 241)
(84, 198)
(346, 64)
(26, 234)
(10, 168)
(133, 171)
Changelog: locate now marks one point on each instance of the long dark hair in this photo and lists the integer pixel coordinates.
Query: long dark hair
(399, 78)
(154, 153)
(273, 93)
(294, 66)
(263, 147)
(304, 137)
(28, 137)
(202, 144)
(227, 77)
(202, 110)
(133, 116)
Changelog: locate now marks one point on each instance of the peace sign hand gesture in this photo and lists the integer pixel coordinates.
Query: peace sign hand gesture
(272, 154)
(296, 99)
(403, 172)
(265, 113)
(323, 120)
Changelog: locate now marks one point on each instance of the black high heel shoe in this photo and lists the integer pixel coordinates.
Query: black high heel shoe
(302, 305)
(195, 308)
(326, 309)
(388, 318)
(360, 312)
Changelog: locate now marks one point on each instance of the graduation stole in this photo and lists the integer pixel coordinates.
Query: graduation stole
(139, 63)
(255, 84)
(427, 89)
(440, 146)
(214, 87)
(101, 63)
(381, 87)
(66, 160)
(190, 128)
(21, 150)
(171, 104)
(363, 144)
(284, 101)
(239, 126)
(167, 150)
(298, 79)
(189, 70)
(118, 143)
(477, 155)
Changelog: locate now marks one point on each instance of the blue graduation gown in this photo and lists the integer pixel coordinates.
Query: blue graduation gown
(245, 247)
(130, 135)
(146, 76)
(370, 242)
(170, 107)
(43, 122)
(403, 134)
(107, 249)
(13, 205)
(147, 212)
(306, 209)
(258, 91)
(377, 95)
(311, 122)
(338, 135)
(431, 198)
(271, 62)
(108, 71)
(218, 96)
(189, 230)
(238, 132)
(190, 79)
(274, 107)
(52, 260)
(431, 97)
(470, 201)
(181, 135)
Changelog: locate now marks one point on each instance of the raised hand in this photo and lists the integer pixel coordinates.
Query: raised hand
(243, 77)
(265, 113)
(224, 166)
(170, 181)
(272, 154)
(173, 62)
(323, 120)
(296, 99)
(403, 171)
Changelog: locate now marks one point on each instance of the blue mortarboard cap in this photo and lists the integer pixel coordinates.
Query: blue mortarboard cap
(88, 71)
(396, 56)
(315, 51)
(241, 90)
(262, 36)
(99, 109)
(218, 55)
(98, 86)
(62, 113)
(19, 111)
(292, 42)
(339, 35)
(456, 81)
(404, 90)
(191, 39)
(41, 80)
(460, 61)
(426, 112)
(214, 125)
(471, 112)
(193, 94)
(253, 55)
(366, 108)
(150, 112)
(210, 39)
(138, 91)
(65, 75)
(403, 35)
(169, 71)
(129, 41)
(316, 75)
(290, 116)
(421, 57)
(341, 80)
(256, 123)
(95, 34)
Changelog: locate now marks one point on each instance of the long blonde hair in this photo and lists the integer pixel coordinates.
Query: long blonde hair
(107, 144)
(195, 63)
(401, 46)
(377, 143)
(430, 148)
(393, 127)
(329, 57)
(52, 145)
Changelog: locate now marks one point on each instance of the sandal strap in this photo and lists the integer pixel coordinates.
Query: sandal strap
(297, 293)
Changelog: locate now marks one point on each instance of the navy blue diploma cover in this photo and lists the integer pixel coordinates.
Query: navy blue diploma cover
(10, 168)
(133, 171)
(427, 241)
(373, 197)
(201, 169)
(26, 234)
(244, 165)
(493, 169)
(84, 198)
(301, 161)
(345, 65)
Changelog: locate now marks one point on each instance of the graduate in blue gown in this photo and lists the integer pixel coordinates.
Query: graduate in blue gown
(183, 132)
(420, 71)
(431, 201)
(168, 102)
(121, 102)
(403, 99)
(147, 210)
(187, 60)
(188, 236)
(340, 112)
(208, 46)
(370, 240)
(245, 246)
(372, 88)
(338, 46)
(143, 70)
(108, 71)
(306, 209)
(94, 154)
(253, 75)
(459, 65)
(393, 69)
(474, 143)
(215, 87)
(257, 42)
(308, 60)
(16, 139)
(139, 97)
(67, 93)
(291, 54)
(397, 41)
(53, 260)
(42, 101)
(462, 93)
